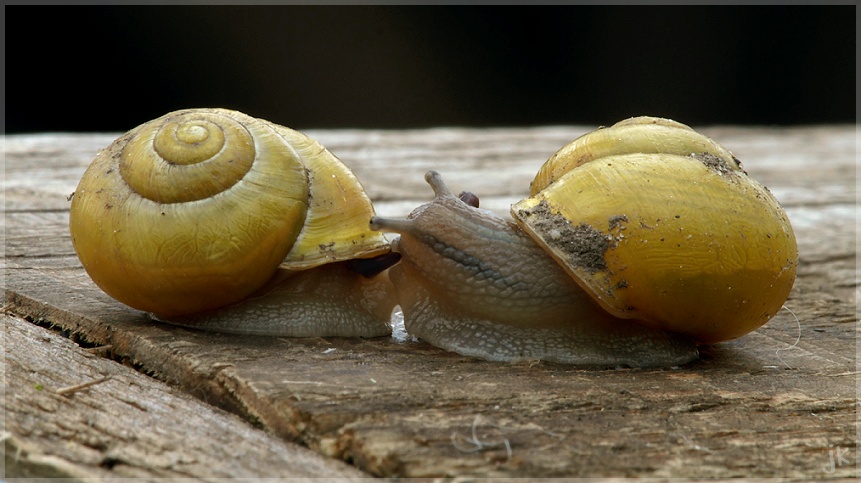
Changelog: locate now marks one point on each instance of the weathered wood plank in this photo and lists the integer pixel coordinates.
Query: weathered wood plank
(128, 424)
(757, 406)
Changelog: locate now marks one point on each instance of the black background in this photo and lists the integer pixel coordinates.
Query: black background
(112, 68)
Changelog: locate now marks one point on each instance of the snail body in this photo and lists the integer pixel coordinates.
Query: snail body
(329, 300)
(474, 283)
(644, 240)
(201, 208)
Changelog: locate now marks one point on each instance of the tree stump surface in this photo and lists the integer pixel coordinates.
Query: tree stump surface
(779, 402)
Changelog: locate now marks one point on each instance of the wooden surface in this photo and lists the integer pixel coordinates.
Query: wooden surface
(127, 424)
(781, 401)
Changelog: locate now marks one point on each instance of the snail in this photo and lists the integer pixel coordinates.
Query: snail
(638, 243)
(213, 219)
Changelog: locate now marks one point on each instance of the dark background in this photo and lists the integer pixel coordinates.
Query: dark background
(112, 68)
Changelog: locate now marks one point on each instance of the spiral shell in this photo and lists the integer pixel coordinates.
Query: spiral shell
(198, 208)
(662, 225)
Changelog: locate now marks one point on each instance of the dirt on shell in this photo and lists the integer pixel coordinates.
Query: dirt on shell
(714, 163)
(582, 245)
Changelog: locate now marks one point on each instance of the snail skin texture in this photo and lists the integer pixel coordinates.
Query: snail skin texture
(216, 220)
(639, 242)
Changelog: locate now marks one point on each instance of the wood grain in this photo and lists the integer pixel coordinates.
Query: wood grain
(760, 406)
(117, 422)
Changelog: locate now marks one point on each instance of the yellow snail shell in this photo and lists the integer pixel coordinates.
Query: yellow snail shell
(200, 208)
(692, 245)
(662, 242)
